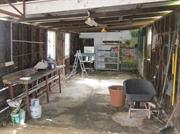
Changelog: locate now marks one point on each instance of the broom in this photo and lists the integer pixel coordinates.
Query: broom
(168, 126)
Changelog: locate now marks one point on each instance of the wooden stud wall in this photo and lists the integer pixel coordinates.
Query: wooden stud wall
(164, 29)
(60, 57)
(76, 44)
(59, 47)
(25, 55)
(28, 54)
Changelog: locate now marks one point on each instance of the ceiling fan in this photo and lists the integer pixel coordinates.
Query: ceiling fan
(90, 21)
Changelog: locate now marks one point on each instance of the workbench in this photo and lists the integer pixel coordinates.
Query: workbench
(32, 80)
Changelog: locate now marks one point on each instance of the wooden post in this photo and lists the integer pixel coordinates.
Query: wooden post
(27, 100)
(47, 89)
(59, 80)
(11, 91)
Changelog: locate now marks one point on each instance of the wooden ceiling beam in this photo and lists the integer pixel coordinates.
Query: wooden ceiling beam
(109, 27)
(9, 2)
(39, 19)
(101, 20)
(103, 23)
(97, 29)
(104, 14)
(10, 13)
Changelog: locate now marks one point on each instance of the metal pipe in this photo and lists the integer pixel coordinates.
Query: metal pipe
(5, 88)
(4, 109)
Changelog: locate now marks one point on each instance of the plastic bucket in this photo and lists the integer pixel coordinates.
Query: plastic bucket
(36, 112)
(18, 118)
(22, 116)
(117, 95)
(15, 118)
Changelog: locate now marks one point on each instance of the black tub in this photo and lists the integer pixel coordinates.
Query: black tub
(139, 90)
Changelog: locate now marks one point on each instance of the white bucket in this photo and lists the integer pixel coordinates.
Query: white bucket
(35, 102)
(22, 116)
(36, 111)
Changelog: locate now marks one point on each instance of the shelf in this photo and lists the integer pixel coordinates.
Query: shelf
(108, 62)
(111, 57)
(108, 69)
(108, 57)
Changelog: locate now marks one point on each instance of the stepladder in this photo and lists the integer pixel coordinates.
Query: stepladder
(78, 59)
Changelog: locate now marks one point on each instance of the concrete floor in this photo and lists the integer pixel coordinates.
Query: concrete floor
(84, 107)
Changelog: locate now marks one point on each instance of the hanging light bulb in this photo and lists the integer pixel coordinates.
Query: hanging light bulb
(103, 30)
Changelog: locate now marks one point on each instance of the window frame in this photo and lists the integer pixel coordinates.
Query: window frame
(49, 31)
(67, 44)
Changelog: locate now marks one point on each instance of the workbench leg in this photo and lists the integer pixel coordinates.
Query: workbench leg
(47, 89)
(59, 74)
(27, 100)
(11, 92)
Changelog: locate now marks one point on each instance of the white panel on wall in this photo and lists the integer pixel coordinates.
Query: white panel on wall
(99, 37)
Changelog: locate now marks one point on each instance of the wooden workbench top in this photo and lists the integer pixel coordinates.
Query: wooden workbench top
(26, 76)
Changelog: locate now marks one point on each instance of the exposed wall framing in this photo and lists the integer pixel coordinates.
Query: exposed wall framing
(164, 35)
(74, 45)
(29, 46)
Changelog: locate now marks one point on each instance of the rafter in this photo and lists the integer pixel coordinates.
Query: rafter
(9, 13)
(120, 25)
(97, 29)
(117, 22)
(14, 7)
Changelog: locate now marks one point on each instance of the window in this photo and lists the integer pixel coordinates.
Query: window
(149, 42)
(67, 45)
(51, 45)
(149, 36)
